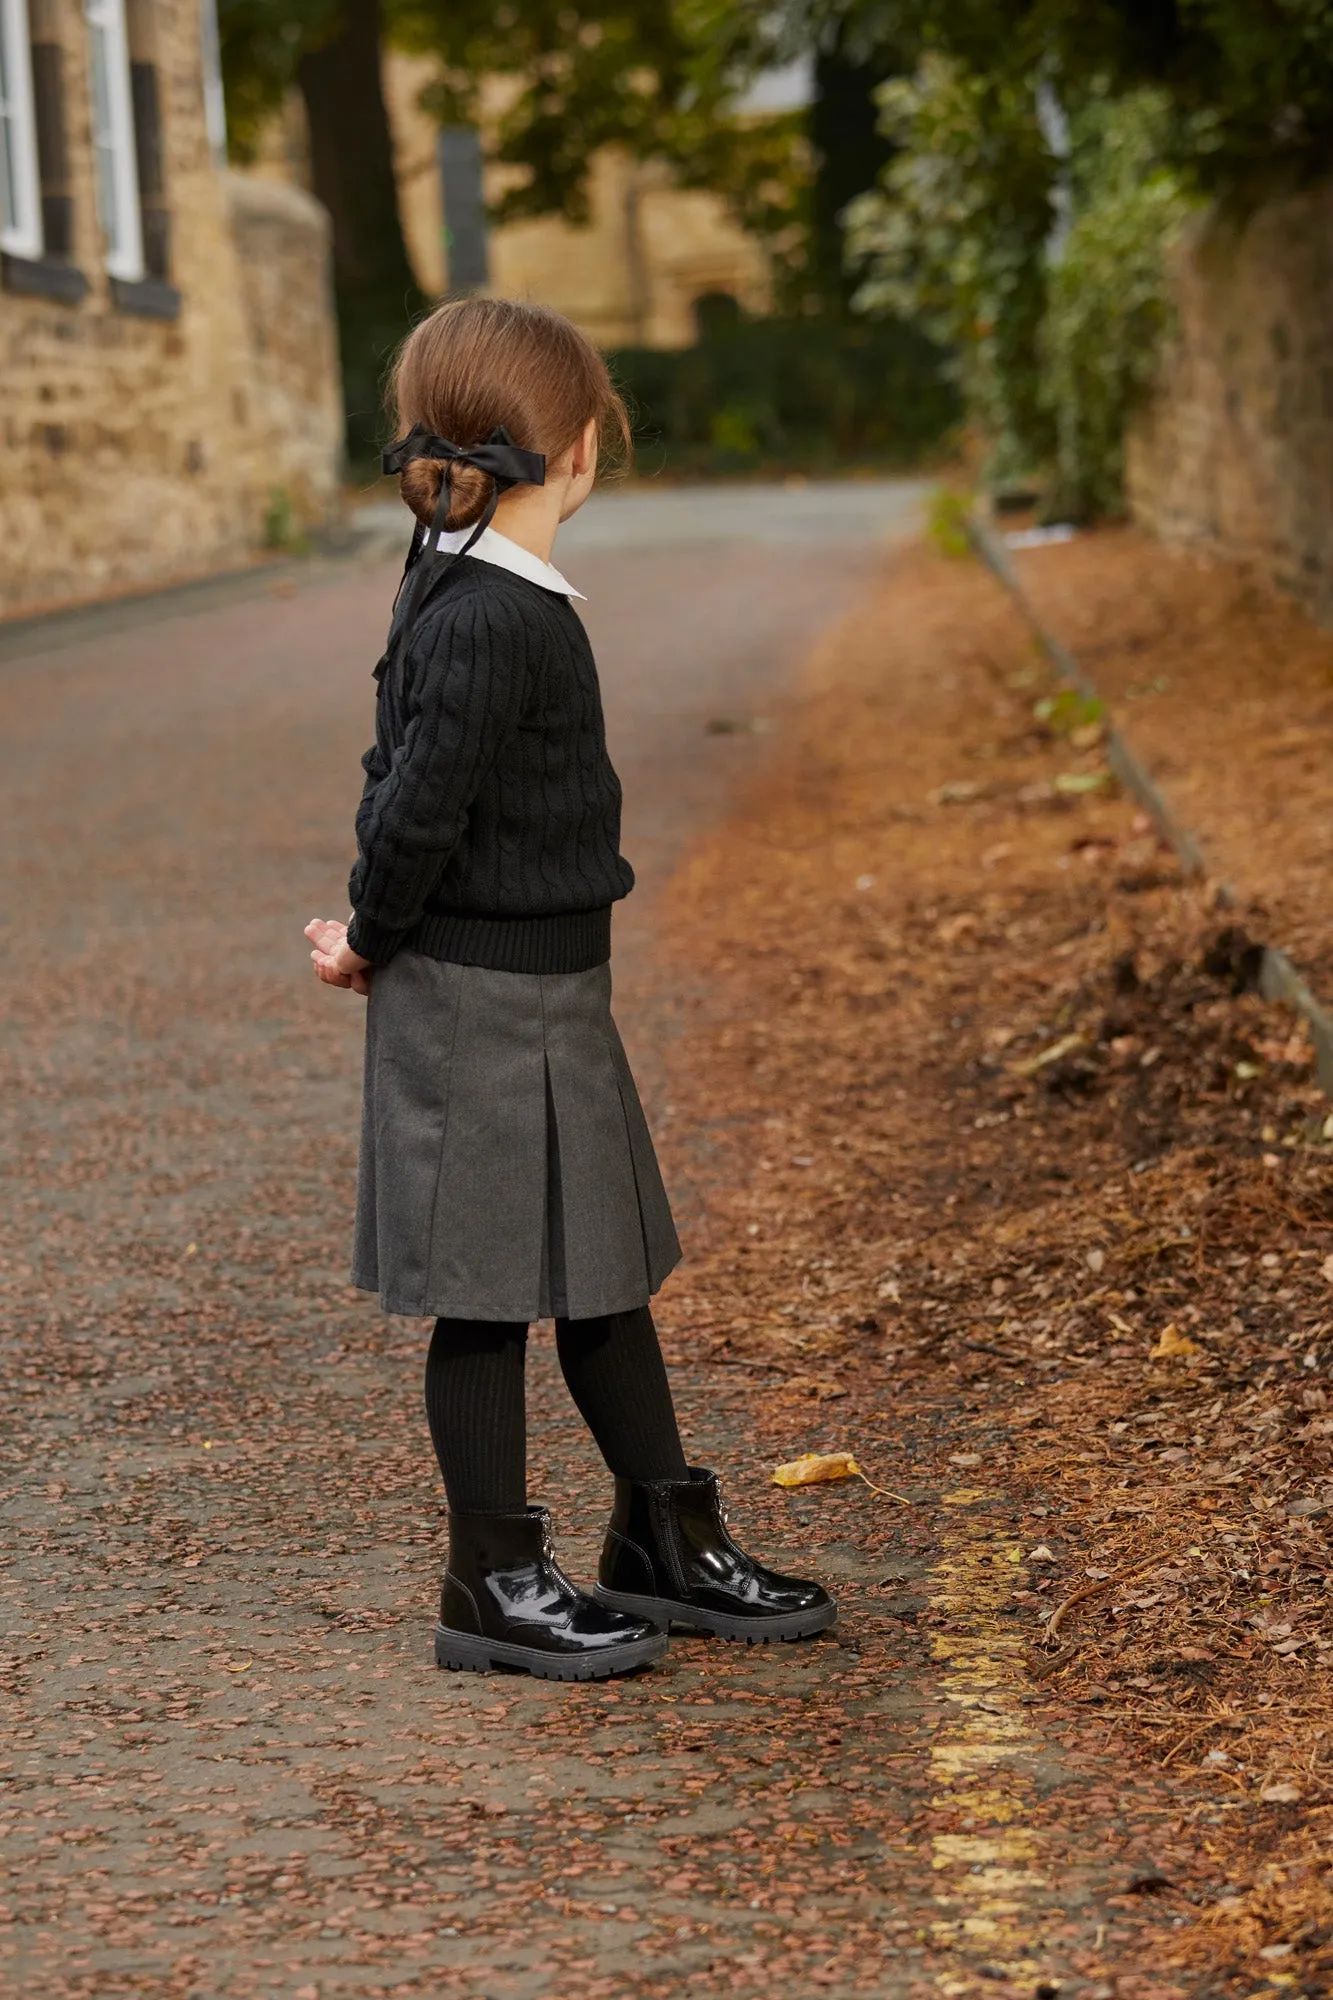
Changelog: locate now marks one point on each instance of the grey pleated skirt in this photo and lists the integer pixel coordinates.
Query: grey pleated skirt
(507, 1171)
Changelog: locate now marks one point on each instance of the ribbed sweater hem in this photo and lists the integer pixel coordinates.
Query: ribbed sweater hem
(572, 941)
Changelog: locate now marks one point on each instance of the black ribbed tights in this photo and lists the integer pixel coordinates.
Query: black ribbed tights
(475, 1404)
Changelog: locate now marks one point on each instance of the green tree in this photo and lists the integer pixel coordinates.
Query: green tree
(1105, 306)
(954, 237)
(1054, 335)
(658, 78)
(1248, 83)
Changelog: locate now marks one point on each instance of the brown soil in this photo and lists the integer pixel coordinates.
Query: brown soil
(991, 1116)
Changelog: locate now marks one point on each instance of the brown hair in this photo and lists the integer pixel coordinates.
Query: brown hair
(477, 363)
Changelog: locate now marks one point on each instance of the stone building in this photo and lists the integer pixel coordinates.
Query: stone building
(169, 389)
(630, 277)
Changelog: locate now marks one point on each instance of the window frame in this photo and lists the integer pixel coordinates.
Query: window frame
(114, 144)
(23, 236)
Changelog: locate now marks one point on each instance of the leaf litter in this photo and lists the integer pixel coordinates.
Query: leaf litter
(1069, 1182)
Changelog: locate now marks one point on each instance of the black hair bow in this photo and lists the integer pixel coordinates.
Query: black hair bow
(500, 457)
(504, 462)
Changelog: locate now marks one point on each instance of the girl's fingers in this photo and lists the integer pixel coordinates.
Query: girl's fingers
(326, 970)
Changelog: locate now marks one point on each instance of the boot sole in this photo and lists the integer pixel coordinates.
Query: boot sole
(721, 1624)
(464, 1652)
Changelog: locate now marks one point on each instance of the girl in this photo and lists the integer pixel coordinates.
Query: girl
(507, 1173)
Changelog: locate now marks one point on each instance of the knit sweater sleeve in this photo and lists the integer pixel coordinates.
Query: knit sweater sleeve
(468, 669)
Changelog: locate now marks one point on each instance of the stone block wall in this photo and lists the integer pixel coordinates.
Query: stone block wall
(141, 446)
(291, 406)
(1234, 454)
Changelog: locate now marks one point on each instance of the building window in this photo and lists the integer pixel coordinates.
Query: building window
(146, 102)
(48, 85)
(20, 198)
(114, 140)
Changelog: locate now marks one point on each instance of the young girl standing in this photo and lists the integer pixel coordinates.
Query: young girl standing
(507, 1173)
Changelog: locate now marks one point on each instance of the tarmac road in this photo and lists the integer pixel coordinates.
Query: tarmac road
(230, 1767)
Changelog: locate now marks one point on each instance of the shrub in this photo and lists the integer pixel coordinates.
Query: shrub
(800, 393)
(1043, 278)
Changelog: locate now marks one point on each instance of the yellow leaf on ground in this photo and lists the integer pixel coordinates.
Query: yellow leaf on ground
(1064, 1047)
(814, 1466)
(1172, 1342)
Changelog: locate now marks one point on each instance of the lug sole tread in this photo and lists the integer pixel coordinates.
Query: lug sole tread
(737, 1631)
(465, 1652)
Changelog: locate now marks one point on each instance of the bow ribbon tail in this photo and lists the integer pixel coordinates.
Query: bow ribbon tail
(425, 565)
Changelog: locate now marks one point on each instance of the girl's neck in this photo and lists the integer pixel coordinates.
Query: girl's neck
(530, 516)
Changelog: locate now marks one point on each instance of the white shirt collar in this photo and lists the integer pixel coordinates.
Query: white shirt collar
(494, 548)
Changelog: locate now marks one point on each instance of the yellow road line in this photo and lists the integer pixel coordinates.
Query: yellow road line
(990, 1874)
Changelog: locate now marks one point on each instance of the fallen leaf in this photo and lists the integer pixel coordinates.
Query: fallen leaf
(1074, 783)
(1095, 1260)
(1284, 1794)
(1172, 1342)
(1041, 1554)
(814, 1466)
(965, 1458)
(1326, 1268)
(1064, 1047)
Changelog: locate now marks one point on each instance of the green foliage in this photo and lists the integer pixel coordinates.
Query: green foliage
(1250, 81)
(657, 78)
(262, 43)
(954, 238)
(1067, 712)
(1053, 336)
(1106, 308)
(946, 523)
(797, 393)
(283, 532)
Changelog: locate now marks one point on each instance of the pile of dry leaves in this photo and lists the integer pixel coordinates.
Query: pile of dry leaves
(992, 1102)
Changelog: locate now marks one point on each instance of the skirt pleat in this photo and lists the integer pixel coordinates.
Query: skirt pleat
(507, 1171)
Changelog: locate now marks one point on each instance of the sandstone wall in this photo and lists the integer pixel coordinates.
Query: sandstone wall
(291, 406)
(1235, 452)
(138, 449)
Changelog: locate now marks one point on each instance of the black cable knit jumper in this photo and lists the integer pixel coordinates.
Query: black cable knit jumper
(489, 827)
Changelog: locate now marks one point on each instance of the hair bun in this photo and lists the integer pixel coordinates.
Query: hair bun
(420, 481)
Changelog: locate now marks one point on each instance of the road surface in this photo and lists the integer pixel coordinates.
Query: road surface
(231, 1768)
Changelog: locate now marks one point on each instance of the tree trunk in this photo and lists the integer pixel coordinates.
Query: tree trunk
(351, 159)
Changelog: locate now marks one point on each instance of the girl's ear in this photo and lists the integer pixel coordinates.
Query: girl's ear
(584, 452)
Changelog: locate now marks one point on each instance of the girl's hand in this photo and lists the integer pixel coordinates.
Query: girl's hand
(333, 958)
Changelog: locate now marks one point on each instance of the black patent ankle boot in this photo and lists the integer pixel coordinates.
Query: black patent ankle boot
(668, 1557)
(507, 1603)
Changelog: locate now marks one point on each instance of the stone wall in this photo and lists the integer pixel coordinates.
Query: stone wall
(293, 417)
(1235, 452)
(139, 439)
